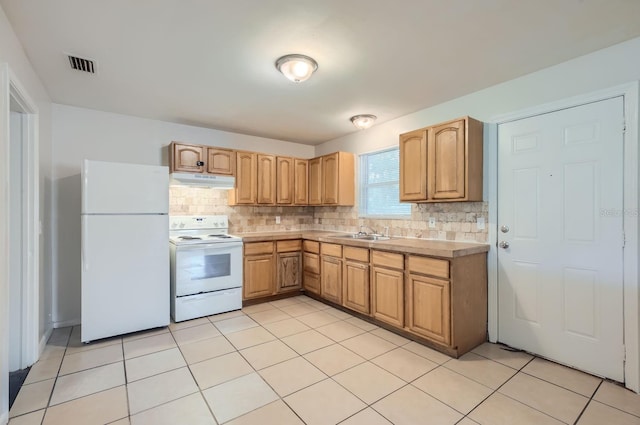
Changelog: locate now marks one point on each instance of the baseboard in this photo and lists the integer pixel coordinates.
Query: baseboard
(43, 340)
(74, 322)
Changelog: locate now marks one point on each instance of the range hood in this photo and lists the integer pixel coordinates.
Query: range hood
(202, 180)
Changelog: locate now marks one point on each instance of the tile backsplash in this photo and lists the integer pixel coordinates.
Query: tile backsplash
(454, 220)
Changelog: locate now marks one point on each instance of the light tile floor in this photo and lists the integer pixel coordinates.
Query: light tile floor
(298, 361)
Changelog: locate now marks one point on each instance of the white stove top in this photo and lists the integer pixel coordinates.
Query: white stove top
(190, 229)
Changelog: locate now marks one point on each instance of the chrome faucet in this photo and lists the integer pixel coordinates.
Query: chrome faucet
(362, 232)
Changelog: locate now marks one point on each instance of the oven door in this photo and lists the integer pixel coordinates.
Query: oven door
(203, 268)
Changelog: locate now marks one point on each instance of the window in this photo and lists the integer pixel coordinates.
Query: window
(380, 186)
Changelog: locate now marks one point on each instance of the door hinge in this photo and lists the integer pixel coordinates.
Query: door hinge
(624, 353)
(624, 239)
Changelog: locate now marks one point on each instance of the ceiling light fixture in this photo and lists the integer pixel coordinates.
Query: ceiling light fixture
(297, 68)
(363, 121)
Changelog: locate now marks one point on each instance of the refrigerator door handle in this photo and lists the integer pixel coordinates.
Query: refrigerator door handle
(85, 229)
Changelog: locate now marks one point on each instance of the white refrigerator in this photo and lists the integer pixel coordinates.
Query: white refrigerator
(125, 251)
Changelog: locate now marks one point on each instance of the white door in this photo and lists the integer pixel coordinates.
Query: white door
(560, 212)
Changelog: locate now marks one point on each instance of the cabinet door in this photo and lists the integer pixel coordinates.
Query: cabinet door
(311, 282)
(187, 158)
(221, 161)
(284, 180)
(355, 287)
(311, 262)
(245, 178)
(266, 179)
(388, 295)
(258, 276)
(289, 276)
(315, 181)
(330, 164)
(429, 312)
(447, 161)
(331, 279)
(301, 181)
(413, 166)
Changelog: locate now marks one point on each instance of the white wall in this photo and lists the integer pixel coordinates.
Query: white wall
(605, 68)
(11, 53)
(88, 134)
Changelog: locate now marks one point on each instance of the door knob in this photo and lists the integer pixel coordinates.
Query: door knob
(503, 244)
(504, 228)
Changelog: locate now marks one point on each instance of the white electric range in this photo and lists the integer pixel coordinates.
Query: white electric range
(206, 267)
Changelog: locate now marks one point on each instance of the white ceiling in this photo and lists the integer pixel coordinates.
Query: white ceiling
(210, 63)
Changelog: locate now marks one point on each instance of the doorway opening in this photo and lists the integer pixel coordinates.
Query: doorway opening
(17, 255)
(19, 234)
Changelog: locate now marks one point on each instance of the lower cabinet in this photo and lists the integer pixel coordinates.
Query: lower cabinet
(289, 266)
(429, 307)
(355, 280)
(331, 279)
(441, 301)
(331, 272)
(311, 266)
(259, 274)
(355, 287)
(272, 268)
(387, 287)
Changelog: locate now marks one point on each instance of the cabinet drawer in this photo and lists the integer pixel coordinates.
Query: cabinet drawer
(331, 249)
(311, 262)
(357, 254)
(288, 246)
(311, 246)
(387, 259)
(255, 248)
(428, 266)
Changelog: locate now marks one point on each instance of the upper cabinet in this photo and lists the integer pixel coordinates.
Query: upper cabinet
(284, 180)
(266, 179)
(301, 181)
(413, 166)
(338, 179)
(442, 163)
(315, 181)
(262, 179)
(186, 158)
(246, 170)
(221, 161)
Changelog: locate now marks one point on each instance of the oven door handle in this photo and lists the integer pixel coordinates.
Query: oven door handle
(209, 246)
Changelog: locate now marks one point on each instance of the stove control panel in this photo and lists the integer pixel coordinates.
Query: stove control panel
(194, 222)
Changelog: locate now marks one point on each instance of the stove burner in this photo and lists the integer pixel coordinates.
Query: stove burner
(220, 236)
(189, 238)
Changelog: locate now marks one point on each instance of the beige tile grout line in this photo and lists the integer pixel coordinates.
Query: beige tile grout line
(588, 402)
(302, 355)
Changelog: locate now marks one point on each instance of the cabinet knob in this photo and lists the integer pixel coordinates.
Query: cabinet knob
(200, 163)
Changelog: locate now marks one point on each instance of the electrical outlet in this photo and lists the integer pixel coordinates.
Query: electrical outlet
(432, 222)
(277, 219)
(480, 223)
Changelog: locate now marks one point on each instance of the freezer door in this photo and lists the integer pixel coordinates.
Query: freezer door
(117, 188)
(125, 274)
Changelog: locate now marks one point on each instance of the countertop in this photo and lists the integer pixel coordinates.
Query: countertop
(430, 247)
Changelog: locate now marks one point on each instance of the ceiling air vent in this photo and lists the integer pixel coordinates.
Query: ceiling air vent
(82, 64)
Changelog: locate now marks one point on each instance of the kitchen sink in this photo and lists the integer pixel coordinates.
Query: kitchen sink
(362, 237)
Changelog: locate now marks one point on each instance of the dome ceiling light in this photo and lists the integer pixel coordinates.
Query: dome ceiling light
(297, 68)
(363, 121)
